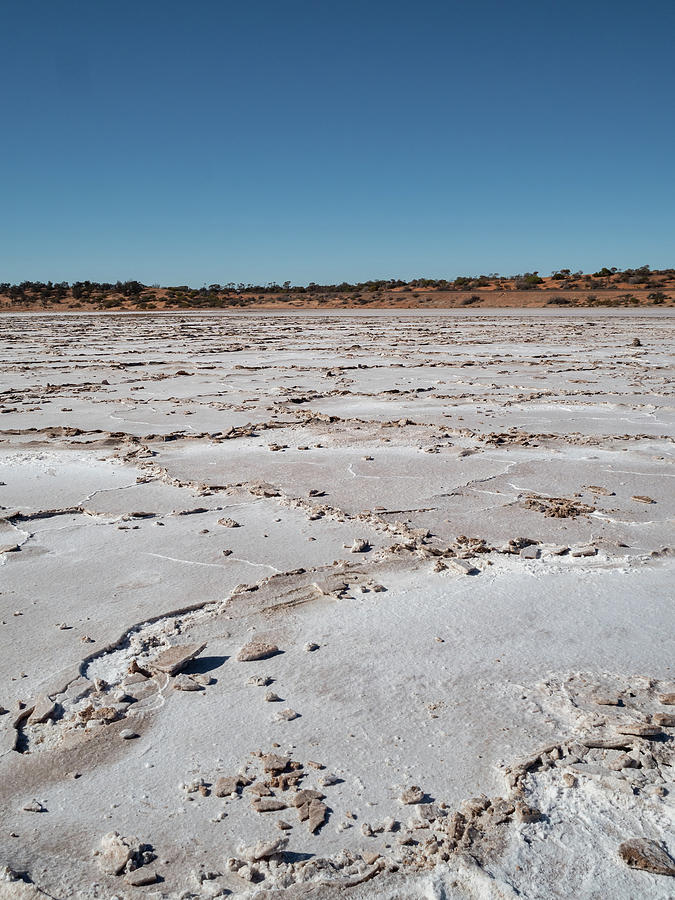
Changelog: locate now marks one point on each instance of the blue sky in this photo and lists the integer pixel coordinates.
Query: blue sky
(208, 141)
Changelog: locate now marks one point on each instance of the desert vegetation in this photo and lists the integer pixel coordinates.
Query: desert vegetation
(608, 287)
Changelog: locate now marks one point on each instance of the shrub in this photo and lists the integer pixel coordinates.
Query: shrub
(528, 281)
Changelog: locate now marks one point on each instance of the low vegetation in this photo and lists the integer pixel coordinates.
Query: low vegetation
(605, 287)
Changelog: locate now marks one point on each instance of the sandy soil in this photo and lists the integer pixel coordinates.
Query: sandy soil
(447, 535)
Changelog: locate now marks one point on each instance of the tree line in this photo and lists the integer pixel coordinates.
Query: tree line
(231, 293)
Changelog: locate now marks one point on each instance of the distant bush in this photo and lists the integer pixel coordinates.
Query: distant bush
(528, 281)
(559, 301)
(623, 300)
(657, 297)
(467, 301)
(636, 276)
(129, 288)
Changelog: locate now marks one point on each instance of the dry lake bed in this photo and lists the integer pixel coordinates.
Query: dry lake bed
(337, 605)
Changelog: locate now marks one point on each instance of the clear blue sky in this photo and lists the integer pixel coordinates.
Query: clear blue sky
(203, 141)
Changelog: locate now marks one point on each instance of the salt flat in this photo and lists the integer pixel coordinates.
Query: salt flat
(455, 528)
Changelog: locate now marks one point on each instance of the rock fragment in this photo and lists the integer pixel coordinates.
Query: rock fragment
(526, 813)
(664, 720)
(360, 546)
(44, 709)
(227, 785)
(133, 669)
(328, 779)
(264, 849)
(318, 812)
(267, 804)
(531, 552)
(646, 731)
(173, 659)
(330, 587)
(116, 851)
(273, 763)
(255, 650)
(34, 806)
(474, 806)
(462, 566)
(305, 796)
(598, 489)
(271, 697)
(184, 682)
(647, 855)
(623, 761)
(412, 795)
(608, 700)
(259, 790)
(13, 886)
(264, 489)
(141, 877)
(194, 787)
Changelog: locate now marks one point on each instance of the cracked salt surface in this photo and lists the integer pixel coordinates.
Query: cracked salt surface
(419, 674)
